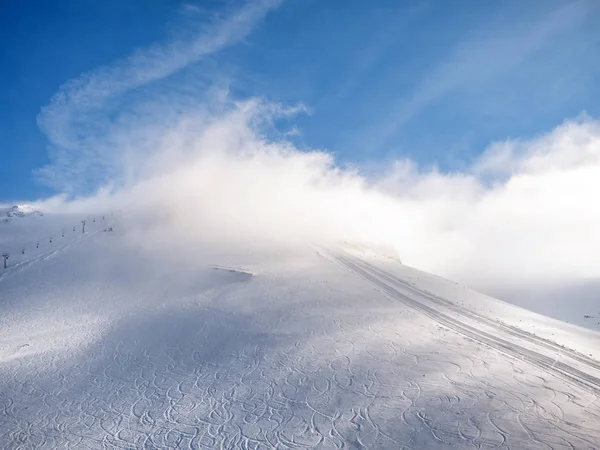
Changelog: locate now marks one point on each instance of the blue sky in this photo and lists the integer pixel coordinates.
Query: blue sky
(435, 81)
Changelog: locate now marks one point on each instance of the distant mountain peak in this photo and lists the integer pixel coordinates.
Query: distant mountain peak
(22, 210)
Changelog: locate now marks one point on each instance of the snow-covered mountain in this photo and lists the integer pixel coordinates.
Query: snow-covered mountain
(109, 340)
(18, 211)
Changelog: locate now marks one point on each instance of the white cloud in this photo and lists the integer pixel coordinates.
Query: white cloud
(218, 177)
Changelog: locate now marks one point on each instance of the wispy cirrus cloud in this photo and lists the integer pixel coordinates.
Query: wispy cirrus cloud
(486, 55)
(76, 117)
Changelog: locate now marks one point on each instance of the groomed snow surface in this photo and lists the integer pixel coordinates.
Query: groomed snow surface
(106, 345)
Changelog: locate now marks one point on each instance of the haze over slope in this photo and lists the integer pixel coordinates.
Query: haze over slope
(521, 217)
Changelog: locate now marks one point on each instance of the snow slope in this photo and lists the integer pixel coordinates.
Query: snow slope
(106, 345)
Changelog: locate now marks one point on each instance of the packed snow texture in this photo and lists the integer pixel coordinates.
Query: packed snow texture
(106, 343)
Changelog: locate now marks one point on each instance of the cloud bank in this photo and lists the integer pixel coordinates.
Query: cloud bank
(199, 165)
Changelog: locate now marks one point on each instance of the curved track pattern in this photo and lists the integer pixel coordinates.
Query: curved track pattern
(305, 362)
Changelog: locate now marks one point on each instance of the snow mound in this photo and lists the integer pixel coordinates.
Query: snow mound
(234, 270)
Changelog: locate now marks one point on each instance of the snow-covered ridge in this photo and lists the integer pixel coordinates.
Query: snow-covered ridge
(22, 210)
(108, 343)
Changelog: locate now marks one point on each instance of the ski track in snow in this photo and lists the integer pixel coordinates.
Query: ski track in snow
(345, 357)
(393, 287)
(43, 255)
